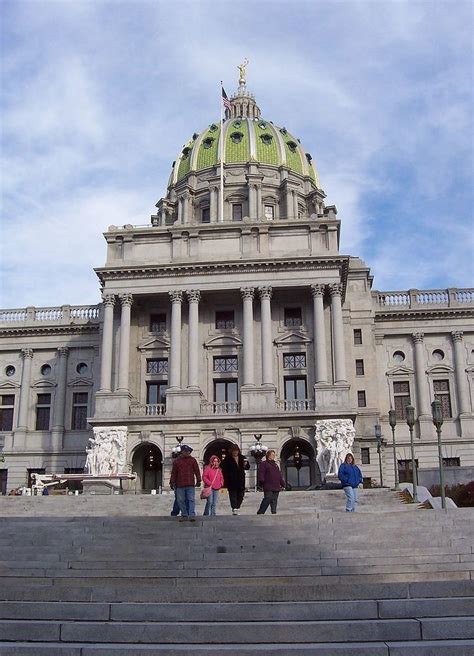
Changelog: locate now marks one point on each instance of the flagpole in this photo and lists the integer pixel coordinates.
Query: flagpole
(221, 137)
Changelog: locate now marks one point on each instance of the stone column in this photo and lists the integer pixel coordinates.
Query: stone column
(107, 342)
(252, 201)
(289, 203)
(259, 212)
(335, 291)
(175, 349)
(60, 399)
(124, 353)
(266, 327)
(213, 203)
(248, 350)
(194, 296)
(459, 371)
(319, 334)
(295, 204)
(422, 392)
(27, 355)
(185, 218)
(180, 210)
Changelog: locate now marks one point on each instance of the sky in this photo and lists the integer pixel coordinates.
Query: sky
(99, 97)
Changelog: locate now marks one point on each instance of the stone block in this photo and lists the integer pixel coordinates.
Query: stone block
(432, 648)
(456, 628)
(33, 630)
(442, 607)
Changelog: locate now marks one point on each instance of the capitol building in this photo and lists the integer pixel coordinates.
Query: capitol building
(231, 317)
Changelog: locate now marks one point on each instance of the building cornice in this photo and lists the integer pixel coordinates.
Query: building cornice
(417, 315)
(49, 330)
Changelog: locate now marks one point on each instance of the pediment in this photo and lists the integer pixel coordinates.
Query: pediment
(9, 385)
(292, 338)
(400, 370)
(44, 384)
(223, 341)
(440, 369)
(81, 382)
(155, 342)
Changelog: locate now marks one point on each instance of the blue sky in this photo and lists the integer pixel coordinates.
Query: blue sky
(99, 97)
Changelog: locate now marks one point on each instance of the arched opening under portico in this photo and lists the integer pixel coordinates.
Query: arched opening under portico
(147, 463)
(298, 464)
(219, 447)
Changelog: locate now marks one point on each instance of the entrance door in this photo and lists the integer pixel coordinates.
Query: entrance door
(298, 464)
(147, 463)
(219, 448)
(3, 481)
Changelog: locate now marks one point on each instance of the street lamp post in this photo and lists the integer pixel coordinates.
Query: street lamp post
(257, 450)
(378, 437)
(437, 414)
(410, 417)
(392, 420)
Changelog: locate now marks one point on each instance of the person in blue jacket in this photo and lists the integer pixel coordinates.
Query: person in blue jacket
(350, 476)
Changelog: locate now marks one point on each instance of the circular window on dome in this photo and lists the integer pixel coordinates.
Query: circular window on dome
(438, 355)
(186, 152)
(398, 357)
(82, 368)
(262, 125)
(10, 370)
(213, 127)
(266, 138)
(236, 137)
(283, 130)
(292, 146)
(45, 370)
(208, 141)
(237, 124)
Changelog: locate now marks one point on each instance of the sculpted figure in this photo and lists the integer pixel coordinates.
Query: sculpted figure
(334, 438)
(242, 72)
(106, 451)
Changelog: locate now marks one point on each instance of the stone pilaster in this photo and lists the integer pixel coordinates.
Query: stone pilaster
(107, 342)
(194, 296)
(422, 392)
(60, 399)
(126, 301)
(267, 342)
(27, 356)
(335, 290)
(175, 348)
(319, 334)
(248, 347)
(460, 373)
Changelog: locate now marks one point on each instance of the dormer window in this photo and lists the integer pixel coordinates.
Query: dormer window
(262, 125)
(186, 152)
(213, 127)
(309, 158)
(266, 138)
(292, 146)
(237, 123)
(283, 131)
(207, 143)
(236, 137)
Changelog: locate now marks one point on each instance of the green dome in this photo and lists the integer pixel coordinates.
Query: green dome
(246, 140)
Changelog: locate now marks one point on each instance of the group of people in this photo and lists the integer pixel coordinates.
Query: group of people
(230, 473)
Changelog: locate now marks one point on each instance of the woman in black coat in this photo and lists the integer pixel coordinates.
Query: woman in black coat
(234, 467)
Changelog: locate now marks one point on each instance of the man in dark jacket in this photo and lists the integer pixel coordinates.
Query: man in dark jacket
(185, 475)
(271, 480)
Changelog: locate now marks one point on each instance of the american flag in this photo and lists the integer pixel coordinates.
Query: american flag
(225, 99)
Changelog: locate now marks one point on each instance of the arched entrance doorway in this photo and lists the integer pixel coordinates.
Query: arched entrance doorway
(298, 464)
(147, 463)
(218, 448)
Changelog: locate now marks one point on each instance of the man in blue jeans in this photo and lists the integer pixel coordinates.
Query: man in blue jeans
(185, 476)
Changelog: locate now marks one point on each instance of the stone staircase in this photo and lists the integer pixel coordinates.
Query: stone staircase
(85, 576)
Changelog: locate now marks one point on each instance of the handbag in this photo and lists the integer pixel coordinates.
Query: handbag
(206, 491)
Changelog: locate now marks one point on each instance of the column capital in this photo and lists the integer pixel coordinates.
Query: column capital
(62, 351)
(108, 299)
(418, 338)
(27, 353)
(335, 289)
(247, 292)
(176, 296)
(318, 289)
(265, 292)
(126, 299)
(194, 295)
(457, 335)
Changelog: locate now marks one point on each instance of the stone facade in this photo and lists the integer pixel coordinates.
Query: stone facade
(219, 328)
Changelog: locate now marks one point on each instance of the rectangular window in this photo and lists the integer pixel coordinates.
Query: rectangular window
(357, 336)
(441, 393)
(294, 361)
(293, 318)
(158, 366)
(156, 392)
(237, 212)
(206, 215)
(401, 398)
(405, 473)
(361, 399)
(43, 411)
(269, 212)
(3, 481)
(6, 412)
(79, 411)
(158, 323)
(365, 455)
(295, 388)
(359, 367)
(226, 363)
(451, 462)
(225, 319)
(225, 391)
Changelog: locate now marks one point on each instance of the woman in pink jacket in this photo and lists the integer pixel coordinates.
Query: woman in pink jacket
(212, 477)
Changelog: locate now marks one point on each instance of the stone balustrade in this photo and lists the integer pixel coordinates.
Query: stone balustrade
(61, 314)
(222, 408)
(297, 405)
(148, 410)
(423, 298)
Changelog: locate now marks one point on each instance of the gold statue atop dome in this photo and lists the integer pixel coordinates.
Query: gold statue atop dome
(242, 72)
